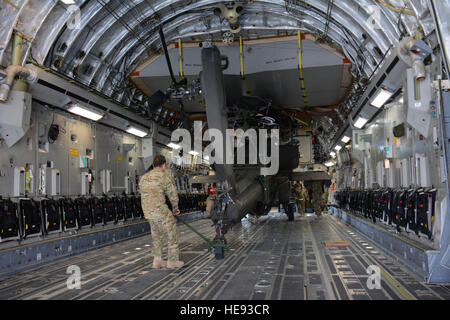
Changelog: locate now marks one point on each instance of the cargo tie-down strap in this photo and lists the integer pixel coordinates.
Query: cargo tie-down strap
(211, 244)
(300, 68)
(180, 57)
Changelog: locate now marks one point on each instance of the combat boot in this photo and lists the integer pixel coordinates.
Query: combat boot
(158, 262)
(174, 264)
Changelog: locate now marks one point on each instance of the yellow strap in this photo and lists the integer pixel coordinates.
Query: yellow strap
(300, 67)
(241, 52)
(12, 4)
(247, 89)
(180, 55)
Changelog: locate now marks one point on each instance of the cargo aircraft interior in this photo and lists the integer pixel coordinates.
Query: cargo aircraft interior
(308, 142)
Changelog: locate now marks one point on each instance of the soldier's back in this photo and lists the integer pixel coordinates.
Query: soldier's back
(152, 186)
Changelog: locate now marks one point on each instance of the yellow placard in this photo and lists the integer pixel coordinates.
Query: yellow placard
(74, 152)
(120, 158)
(397, 142)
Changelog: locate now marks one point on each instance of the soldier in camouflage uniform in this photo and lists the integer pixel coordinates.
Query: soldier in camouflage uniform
(302, 196)
(210, 201)
(154, 186)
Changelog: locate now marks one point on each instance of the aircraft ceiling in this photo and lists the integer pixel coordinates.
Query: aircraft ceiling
(114, 37)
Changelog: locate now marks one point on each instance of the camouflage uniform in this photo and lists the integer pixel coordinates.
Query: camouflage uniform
(324, 201)
(210, 205)
(154, 186)
(301, 196)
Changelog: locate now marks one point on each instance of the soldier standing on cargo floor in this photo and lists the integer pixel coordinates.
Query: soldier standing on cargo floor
(154, 186)
(302, 196)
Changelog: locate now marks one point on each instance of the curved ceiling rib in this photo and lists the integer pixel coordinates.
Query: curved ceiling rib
(115, 36)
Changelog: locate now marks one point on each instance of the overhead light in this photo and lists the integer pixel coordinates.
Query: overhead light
(360, 122)
(345, 139)
(68, 1)
(337, 148)
(173, 145)
(381, 97)
(206, 158)
(333, 154)
(84, 112)
(387, 164)
(194, 153)
(136, 132)
(329, 163)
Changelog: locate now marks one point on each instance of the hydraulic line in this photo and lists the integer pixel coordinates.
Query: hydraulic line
(16, 60)
(387, 5)
(15, 69)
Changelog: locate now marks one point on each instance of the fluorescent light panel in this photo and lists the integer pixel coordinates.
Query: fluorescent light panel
(194, 153)
(173, 145)
(85, 113)
(337, 148)
(360, 122)
(136, 132)
(329, 163)
(381, 97)
(68, 1)
(333, 154)
(345, 139)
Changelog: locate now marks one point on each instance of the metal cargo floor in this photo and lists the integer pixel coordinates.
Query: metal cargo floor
(311, 258)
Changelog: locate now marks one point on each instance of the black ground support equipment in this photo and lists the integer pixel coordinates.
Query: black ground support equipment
(387, 205)
(68, 214)
(425, 211)
(399, 210)
(138, 207)
(129, 208)
(221, 220)
(367, 204)
(217, 244)
(119, 204)
(110, 210)
(29, 217)
(9, 221)
(98, 211)
(411, 208)
(189, 202)
(407, 210)
(84, 212)
(51, 215)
